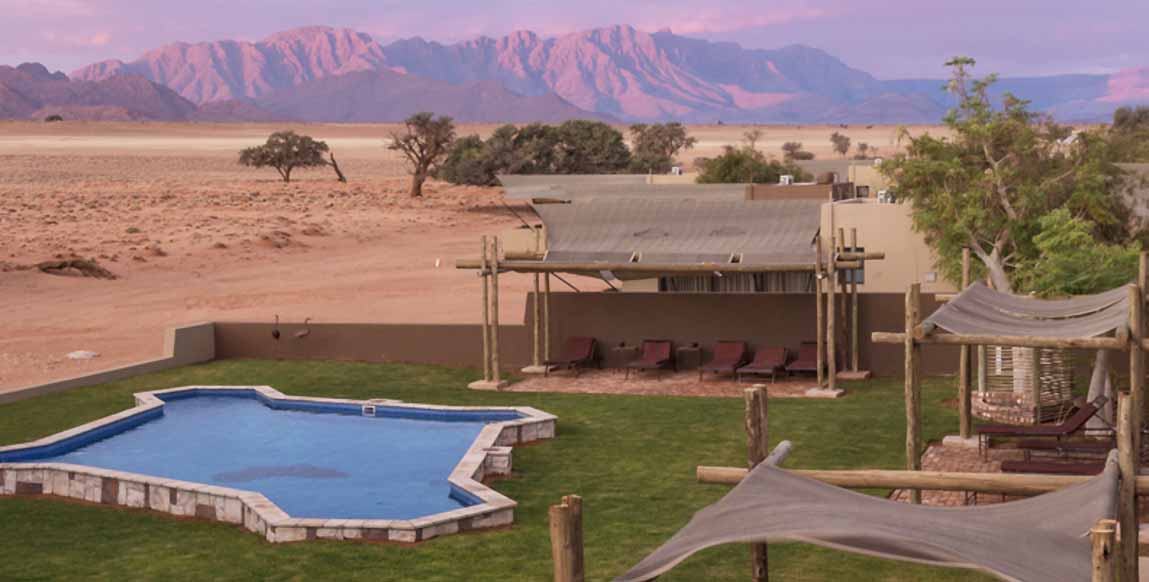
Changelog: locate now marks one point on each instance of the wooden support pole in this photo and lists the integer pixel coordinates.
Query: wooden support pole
(567, 540)
(855, 358)
(1127, 461)
(965, 399)
(1035, 372)
(757, 449)
(913, 388)
(1104, 539)
(495, 372)
(536, 331)
(820, 316)
(1023, 341)
(547, 317)
(832, 319)
(1143, 287)
(485, 273)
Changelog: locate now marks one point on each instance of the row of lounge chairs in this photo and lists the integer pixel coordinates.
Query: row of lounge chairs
(731, 357)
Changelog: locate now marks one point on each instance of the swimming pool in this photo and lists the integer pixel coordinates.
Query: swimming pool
(310, 462)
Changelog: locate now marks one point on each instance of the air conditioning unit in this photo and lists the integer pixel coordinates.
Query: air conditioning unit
(786, 180)
(676, 171)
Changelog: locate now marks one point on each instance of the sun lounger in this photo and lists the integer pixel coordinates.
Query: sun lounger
(807, 360)
(577, 353)
(728, 356)
(1071, 425)
(655, 355)
(766, 361)
(1050, 468)
(1065, 448)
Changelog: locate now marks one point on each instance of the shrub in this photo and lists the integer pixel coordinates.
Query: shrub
(746, 165)
(53, 118)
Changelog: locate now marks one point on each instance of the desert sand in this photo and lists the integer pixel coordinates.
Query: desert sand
(192, 236)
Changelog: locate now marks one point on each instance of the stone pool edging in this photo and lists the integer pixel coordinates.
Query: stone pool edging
(488, 456)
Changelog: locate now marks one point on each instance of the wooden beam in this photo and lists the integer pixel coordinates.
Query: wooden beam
(757, 449)
(820, 317)
(913, 387)
(485, 274)
(860, 256)
(1092, 343)
(1137, 360)
(547, 316)
(965, 398)
(843, 302)
(648, 268)
(1127, 461)
(566, 540)
(1104, 540)
(1019, 484)
(854, 331)
(495, 371)
(832, 319)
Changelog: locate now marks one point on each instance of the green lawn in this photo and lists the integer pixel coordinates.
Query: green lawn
(631, 458)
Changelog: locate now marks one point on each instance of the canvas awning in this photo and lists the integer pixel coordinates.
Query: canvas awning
(724, 235)
(979, 310)
(1040, 538)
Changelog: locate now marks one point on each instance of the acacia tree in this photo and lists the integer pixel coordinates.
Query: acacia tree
(841, 143)
(425, 142)
(988, 186)
(285, 151)
(655, 146)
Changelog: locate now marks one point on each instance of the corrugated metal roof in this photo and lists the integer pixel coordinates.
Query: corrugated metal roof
(684, 231)
(610, 186)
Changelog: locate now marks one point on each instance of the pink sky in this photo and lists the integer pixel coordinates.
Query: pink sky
(890, 38)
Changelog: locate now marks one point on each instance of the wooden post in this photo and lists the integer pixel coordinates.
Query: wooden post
(495, 373)
(1137, 333)
(855, 359)
(567, 539)
(832, 317)
(1103, 536)
(1127, 461)
(843, 301)
(820, 316)
(536, 353)
(1035, 371)
(486, 314)
(965, 407)
(547, 317)
(913, 388)
(757, 449)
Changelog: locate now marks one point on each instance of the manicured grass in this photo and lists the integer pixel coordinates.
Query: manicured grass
(631, 458)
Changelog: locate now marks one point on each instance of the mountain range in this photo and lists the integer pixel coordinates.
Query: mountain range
(616, 74)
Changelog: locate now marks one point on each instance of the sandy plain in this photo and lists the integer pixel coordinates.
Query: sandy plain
(192, 236)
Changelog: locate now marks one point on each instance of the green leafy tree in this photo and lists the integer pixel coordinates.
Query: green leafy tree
(790, 148)
(1072, 261)
(285, 151)
(425, 142)
(988, 186)
(841, 143)
(863, 149)
(745, 165)
(590, 147)
(468, 162)
(655, 146)
(1130, 134)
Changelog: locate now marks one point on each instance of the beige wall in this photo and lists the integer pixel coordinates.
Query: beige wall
(868, 175)
(887, 228)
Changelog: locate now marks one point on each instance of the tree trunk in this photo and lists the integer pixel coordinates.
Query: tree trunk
(338, 172)
(286, 175)
(417, 180)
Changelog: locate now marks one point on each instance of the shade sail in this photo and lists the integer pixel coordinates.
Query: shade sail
(979, 310)
(778, 232)
(580, 188)
(1040, 538)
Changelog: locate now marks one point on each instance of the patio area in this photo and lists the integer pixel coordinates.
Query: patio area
(661, 383)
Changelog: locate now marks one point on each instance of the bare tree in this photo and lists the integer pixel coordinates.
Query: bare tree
(425, 143)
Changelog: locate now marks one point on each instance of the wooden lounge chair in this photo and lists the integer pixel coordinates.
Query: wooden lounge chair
(655, 355)
(1059, 431)
(1067, 448)
(1050, 468)
(807, 360)
(766, 361)
(577, 353)
(728, 356)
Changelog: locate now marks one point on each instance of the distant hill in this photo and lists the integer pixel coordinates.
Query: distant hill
(327, 74)
(31, 91)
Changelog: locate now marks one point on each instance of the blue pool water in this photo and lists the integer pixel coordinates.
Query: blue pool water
(321, 465)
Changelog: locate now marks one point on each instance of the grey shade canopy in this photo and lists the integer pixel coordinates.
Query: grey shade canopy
(1042, 538)
(979, 310)
(581, 188)
(664, 231)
